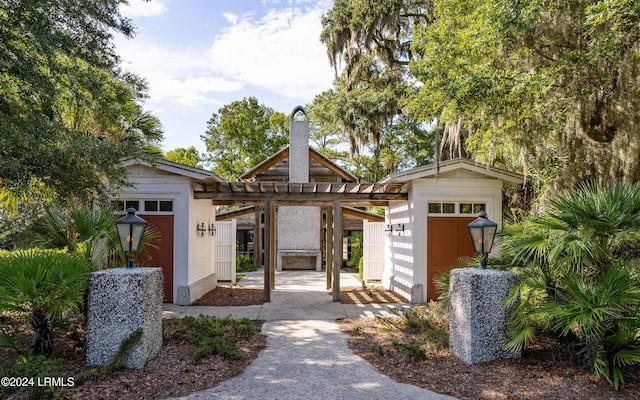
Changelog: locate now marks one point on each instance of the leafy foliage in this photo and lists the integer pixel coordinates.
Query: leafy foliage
(189, 156)
(243, 134)
(68, 114)
(430, 324)
(36, 368)
(213, 335)
(244, 262)
(575, 283)
(45, 287)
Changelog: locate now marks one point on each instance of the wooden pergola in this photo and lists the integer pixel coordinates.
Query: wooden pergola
(331, 196)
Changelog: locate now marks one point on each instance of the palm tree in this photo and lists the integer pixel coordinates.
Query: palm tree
(45, 287)
(576, 282)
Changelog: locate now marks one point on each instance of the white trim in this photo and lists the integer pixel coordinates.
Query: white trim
(433, 170)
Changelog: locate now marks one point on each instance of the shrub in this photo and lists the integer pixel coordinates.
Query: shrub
(212, 335)
(576, 284)
(31, 370)
(244, 263)
(356, 258)
(43, 286)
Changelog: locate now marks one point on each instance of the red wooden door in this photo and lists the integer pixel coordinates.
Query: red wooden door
(162, 256)
(447, 240)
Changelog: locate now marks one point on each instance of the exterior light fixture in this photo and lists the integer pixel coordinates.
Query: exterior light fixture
(482, 231)
(200, 229)
(388, 230)
(212, 229)
(399, 228)
(130, 231)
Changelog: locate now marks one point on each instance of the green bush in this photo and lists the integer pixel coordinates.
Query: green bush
(429, 326)
(31, 370)
(45, 287)
(576, 283)
(244, 263)
(356, 259)
(212, 335)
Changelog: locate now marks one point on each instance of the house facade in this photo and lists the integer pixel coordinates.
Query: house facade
(300, 206)
(431, 226)
(163, 194)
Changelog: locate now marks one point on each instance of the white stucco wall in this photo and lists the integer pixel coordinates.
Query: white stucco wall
(406, 258)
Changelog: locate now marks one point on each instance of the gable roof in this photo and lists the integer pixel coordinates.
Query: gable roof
(279, 161)
(433, 170)
(175, 168)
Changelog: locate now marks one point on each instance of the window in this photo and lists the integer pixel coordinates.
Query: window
(471, 208)
(132, 203)
(442, 208)
(150, 206)
(456, 208)
(166, 205)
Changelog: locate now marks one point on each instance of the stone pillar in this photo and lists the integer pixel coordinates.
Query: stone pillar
(477, 316)
(122, 300)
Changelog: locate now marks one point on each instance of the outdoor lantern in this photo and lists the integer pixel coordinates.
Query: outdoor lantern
(399, 228)
(130, 230)
(200, 229)
(212, 229)
(482, 231)
(388, 230)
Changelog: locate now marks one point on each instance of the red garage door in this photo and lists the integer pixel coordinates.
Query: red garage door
(162, 256)
(447, 240)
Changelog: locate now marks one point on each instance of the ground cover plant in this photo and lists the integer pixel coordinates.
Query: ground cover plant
(197, 353)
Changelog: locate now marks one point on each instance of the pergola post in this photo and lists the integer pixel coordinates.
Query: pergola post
(267, 250)
(257, 237)
(329, 245)
(273, 236)
(337, 248)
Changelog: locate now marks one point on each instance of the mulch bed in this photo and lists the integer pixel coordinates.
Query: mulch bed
(544, 372)
(232, 296)
(369, 295)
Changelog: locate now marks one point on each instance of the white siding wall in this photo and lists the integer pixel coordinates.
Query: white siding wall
(399, 271)
(201, 248)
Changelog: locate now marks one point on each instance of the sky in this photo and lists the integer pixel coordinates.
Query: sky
(199, 55)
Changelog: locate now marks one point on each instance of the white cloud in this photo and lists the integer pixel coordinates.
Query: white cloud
(190, 91)
(141, 8)
(182, 76)
(230, 17)
(281, 52)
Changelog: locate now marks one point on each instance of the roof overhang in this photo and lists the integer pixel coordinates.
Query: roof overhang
(435, 169)
(175, 168)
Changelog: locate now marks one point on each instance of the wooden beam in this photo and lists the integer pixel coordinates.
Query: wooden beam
(257, 240)
(273, 236)
(329, 246)
(337, 248)
(267, 251)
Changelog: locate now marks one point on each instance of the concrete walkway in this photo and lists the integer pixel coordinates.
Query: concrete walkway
(307, 356)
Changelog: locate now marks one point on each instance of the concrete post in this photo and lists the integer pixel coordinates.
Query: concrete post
(121, 301)
(477, 315)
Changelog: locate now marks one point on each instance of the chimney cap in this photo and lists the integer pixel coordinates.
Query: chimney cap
(298, 109)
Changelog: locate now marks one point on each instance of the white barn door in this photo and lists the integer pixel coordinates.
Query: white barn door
(373, 250)
(225, 251)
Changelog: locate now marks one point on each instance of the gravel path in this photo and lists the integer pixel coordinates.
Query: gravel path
(309, 359)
